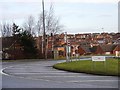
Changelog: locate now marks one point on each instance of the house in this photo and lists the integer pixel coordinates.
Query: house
(74, 48)
(96, 43)
(116, 50)
(96, 50)
(108, 48)
(116, 36)
(117, 41)
(11, 48)
(70, 38)
(59, 51)
(103, 49)
(7, 43)
(84, 47)
(83, 50)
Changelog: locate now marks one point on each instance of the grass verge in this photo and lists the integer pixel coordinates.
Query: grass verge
(109, 67)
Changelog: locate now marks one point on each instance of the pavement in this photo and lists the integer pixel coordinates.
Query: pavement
(41, 74)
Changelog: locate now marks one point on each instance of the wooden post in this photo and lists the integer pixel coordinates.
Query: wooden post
(44, 34)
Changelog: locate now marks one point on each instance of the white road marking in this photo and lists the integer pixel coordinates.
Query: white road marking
(94, 81)
(21, 76)
(43, 73)
(1, 71)
(53, 72)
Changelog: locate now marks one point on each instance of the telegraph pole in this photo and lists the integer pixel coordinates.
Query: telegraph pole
(67, 57)
(44, 34)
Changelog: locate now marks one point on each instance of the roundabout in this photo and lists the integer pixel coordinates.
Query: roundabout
(41, 74)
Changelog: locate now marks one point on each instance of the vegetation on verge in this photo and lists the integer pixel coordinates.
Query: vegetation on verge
(109, 67)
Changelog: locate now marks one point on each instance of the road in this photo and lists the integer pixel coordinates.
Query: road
(40, 74)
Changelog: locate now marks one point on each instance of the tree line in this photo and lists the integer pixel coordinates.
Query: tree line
(31, 28)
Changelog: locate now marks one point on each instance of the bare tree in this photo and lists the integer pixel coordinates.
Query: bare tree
(40, 31)
(0, 30)
(49, 20)
(29, 25)
(52, 22)
(56, 27)
(6, 30)
(52, 26)
(39, 26)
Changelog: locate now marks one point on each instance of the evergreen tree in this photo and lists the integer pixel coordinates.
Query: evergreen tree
(29, 45)
(26, 41)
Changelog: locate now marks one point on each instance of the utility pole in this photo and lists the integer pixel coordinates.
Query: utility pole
(67, 57)
(44, 34)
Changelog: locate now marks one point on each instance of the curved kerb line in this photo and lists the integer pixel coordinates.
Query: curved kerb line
(6, 74)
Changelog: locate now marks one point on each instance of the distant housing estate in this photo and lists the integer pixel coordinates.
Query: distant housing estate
(81, 44)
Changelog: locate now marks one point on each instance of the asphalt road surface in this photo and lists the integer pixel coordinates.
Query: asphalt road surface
(40, 74)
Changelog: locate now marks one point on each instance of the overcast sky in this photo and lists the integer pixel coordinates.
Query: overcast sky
(78, 16)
